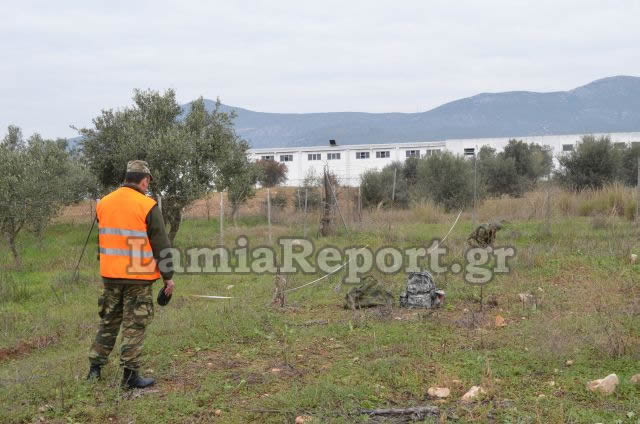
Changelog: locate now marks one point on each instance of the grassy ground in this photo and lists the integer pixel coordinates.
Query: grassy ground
(257, 363)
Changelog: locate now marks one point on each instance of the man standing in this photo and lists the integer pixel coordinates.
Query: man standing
(131, 236)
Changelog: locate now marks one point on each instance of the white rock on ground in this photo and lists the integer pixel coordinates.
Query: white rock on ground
(605, 385)
(439, 392)
(635, 379)
(472, 394)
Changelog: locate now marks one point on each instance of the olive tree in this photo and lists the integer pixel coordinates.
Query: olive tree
(38, 177)
(185, 151)
(239, 176)
(592, 164)
(447, 179)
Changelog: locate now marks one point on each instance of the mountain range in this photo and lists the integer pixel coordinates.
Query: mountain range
(605, 105)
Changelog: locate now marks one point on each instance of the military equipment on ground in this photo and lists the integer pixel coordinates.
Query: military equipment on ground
(369, 294)
(421, 292)
(484, 235)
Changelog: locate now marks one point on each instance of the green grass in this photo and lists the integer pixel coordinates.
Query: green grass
(221, 354)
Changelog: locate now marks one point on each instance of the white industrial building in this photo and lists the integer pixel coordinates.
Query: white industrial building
(348, 162)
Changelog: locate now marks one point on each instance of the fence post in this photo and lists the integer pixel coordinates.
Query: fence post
(547, 213)
(393, 190)
(269, 212)
(359, 203)
(221, 218)
(305, 213)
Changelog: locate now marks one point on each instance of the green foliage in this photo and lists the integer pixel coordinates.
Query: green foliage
(38, 177)
(272, 173)
(514, 170)
(446, 179)
(279, 200)
(443, 178)
(531, 160)
(186, 157)
(628, 170)
(311, 191)
(377, 186)
(593, 164)
(239, 175)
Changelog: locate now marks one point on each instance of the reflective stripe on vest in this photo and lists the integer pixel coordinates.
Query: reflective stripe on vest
(125, 250)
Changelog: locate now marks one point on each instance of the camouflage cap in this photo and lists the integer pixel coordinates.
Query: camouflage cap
(138, 166)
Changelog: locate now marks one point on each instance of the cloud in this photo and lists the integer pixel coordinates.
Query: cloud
(64, 62)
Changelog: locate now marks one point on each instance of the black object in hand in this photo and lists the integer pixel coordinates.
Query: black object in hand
(163, 299)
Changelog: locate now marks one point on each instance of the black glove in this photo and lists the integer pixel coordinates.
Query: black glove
(163, 299)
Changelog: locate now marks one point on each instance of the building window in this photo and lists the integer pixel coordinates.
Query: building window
(286, 158)
(333, 156)
(383, 154)
(267, 157)
(413, 153)
(362, 155)
(432, 152)
(620, 145)
(314, 156)
(567, 147)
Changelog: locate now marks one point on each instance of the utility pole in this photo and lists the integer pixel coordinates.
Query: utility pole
(475, 184)
(473, 151)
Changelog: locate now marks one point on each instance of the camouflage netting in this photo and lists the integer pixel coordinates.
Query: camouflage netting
(421, 292)
(484, 235)
(370, 294)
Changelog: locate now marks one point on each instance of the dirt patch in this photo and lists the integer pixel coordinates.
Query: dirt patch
(26, 347)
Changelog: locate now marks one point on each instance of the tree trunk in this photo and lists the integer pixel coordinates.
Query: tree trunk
(14, 250)
(235, 207)
(174, 219)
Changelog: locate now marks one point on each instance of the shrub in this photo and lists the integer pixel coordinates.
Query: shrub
(377, 186)
(279, 200)
(447, 180)
(593, 164)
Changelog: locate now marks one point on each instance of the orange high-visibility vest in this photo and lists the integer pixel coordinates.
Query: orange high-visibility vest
(125, 250)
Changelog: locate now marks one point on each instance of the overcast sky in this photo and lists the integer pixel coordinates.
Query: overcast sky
(62, 62)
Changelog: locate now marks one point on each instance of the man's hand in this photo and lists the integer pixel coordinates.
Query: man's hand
(168, 287)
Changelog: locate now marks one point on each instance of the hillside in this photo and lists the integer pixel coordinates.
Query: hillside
(605, 105)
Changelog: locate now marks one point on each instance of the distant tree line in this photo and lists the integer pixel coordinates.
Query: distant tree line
(597, 161)
(448, 179)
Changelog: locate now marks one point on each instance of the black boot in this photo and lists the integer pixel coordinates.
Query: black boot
(94, 372)
(132, 380)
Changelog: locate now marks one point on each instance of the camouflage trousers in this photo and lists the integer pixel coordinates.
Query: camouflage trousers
(129, 306)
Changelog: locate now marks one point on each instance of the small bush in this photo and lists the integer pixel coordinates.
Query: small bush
(280, 200)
